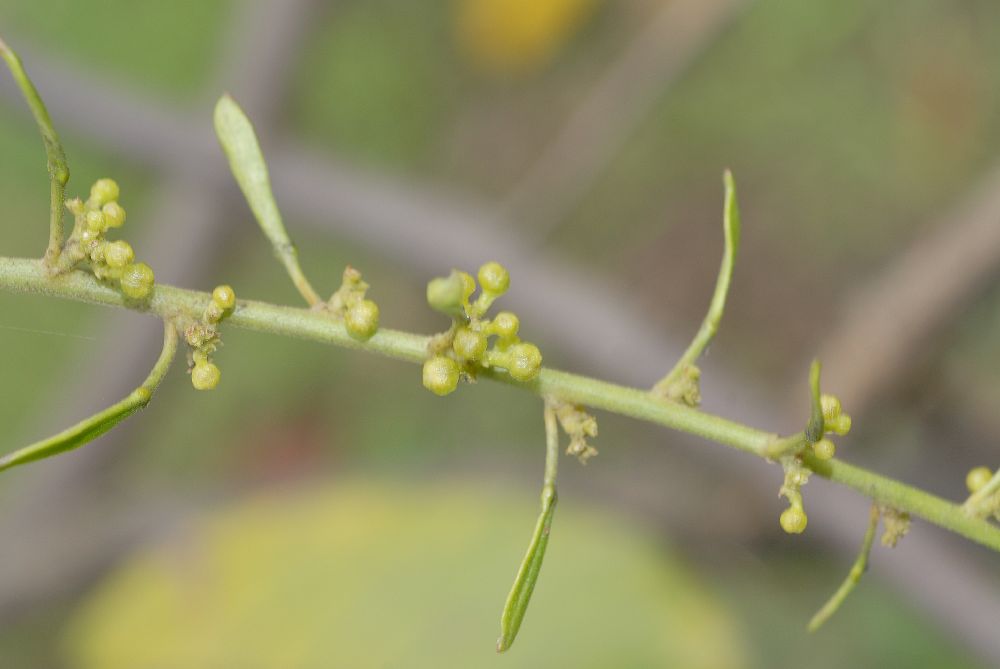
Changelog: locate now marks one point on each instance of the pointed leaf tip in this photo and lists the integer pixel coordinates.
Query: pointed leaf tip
(246, 161)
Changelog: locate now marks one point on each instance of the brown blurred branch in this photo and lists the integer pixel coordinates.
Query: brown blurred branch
(622, 98)
(886, 323)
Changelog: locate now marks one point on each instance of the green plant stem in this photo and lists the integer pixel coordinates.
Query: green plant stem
(91, 428)
(816, 425)
(853, 576)
(669, 385)
(26, 275)
(779, 448)
(56, 157)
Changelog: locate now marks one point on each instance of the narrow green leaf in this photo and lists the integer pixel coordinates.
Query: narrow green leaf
(815, 428)
(246, 160)
(58, 170)
(681, 383)
(527, 574)
(89, 429)
(853, 576)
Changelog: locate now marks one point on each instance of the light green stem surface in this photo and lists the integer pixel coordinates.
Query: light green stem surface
(26, 275)
(814, 429)
(58, 170)
(668, 385)
(853, 576)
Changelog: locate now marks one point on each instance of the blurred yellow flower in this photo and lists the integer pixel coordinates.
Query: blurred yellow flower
(515, 36)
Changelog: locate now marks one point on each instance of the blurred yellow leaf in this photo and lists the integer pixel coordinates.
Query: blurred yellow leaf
(398, 575)
(513, 36)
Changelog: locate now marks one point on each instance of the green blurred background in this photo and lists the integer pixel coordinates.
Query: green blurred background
(320, 509)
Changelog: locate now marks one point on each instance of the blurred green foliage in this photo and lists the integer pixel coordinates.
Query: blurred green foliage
(171, 46)
(397, 574)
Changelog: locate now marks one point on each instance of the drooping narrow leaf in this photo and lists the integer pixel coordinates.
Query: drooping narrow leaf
(246, 160)
(681, 382)
(56, 157)
(527, 574)
(853, 576)
(89, 429)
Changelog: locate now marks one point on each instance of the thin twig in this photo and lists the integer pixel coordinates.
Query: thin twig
(853, 576)
(25, 275)
(58, 171)
(682, 381)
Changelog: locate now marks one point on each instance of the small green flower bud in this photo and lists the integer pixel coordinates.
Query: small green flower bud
(494, 278)
(361, 320)
(469, 344)
(224, 296)
(441, 375)
(977, 478)
(118, 254)
(96, 221)
(205, 376)
(831, 407)
(793, 520)
(114, 214)
(137, 280)
(506, 324)
(525, 360)
(841, 424)
(824, 449)
(103, 191)
(449, 294)
(89, 235)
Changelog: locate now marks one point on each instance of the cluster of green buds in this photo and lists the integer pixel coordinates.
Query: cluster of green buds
(835, 421)
(203, 338)
(360, 315)
(985, 494)
(112, 261)
(793, 519)
(579, 425)
(467, 347)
